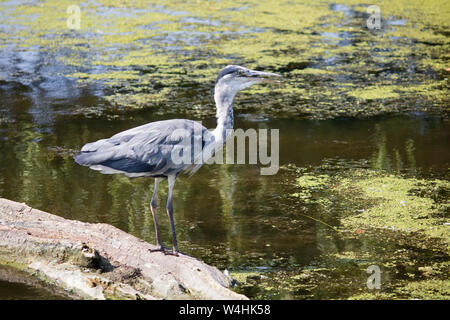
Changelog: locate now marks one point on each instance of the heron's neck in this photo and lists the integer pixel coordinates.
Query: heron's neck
(224, 114)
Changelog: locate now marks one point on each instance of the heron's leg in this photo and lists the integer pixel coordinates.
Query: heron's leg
(153, 206)
(169, 207)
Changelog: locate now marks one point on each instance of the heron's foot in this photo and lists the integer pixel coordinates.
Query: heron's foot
(165, 250)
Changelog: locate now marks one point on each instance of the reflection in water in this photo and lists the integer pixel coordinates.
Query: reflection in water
(409, 149)
(231, 207)
(394, 161)
(227, 215)
(381, 160)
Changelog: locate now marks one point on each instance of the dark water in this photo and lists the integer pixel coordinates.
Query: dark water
(229, 216)
(20, 291)
(20, 286)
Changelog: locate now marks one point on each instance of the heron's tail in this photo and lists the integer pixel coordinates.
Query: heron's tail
(89, 158)
(82, 158)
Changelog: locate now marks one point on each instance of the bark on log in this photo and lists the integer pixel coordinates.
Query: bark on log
(99, 261)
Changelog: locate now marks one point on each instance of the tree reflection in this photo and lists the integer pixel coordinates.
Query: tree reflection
(388, 155)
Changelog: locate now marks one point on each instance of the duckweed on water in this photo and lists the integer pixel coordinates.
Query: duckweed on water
(415, 213)
(144, 52)
(308, 184)
(398, 203)
(396, 222)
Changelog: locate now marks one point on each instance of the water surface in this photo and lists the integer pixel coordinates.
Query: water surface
(230, 216)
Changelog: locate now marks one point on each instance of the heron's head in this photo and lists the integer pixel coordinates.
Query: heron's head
(235, 78)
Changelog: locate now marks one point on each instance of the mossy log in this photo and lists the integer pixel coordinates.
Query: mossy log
(99, 261)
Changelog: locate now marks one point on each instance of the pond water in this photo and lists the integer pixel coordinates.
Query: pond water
(17, 291)
(16, 285)
(351, 98)
(230, 216)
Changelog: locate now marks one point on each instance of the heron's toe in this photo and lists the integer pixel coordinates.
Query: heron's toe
(165, 250)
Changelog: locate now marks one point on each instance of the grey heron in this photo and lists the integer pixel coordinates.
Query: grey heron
(147, 150)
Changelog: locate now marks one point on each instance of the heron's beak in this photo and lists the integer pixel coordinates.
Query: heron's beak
(265, 76)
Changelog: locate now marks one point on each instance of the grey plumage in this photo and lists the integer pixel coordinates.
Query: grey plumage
(145, 150)
(148, 150)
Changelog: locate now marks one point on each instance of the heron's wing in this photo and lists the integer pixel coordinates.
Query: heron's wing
(146, 149)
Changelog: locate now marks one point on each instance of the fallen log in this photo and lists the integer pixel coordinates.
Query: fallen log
(99, 261)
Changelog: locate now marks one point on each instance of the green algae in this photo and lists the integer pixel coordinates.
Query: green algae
(330, 60)
(411, 214)
(308, 185)
(243, 277)
(427, 289)
(372, 93)
(399, 203)
(394, 221)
